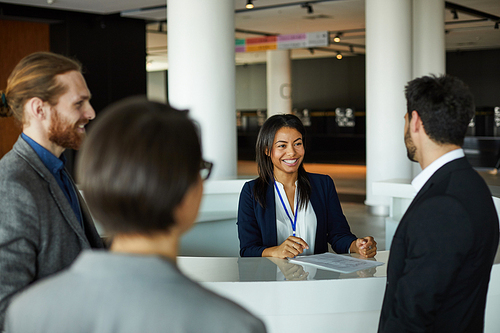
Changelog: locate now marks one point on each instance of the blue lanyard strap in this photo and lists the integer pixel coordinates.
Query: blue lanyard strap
(294, 221)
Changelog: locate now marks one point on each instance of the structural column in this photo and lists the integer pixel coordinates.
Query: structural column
(429, 48)
(429, 54)
(201, 75)
(279, 82)
(388, 69)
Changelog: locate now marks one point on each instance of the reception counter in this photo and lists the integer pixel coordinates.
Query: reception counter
(298, 298)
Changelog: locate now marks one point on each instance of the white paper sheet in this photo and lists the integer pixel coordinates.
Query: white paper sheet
(336, 262)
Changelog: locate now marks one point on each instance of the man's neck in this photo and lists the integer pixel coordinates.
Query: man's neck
(435, 151)
(40, 137)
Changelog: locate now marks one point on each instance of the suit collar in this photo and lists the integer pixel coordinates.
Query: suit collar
(427, 173)
(270, 212)
(51, 162)
(458, 164)
(26, 152)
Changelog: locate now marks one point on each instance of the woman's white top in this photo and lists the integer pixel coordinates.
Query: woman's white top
(306, 219)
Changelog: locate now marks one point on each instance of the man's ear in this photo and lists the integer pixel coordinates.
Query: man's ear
(36, 108)
(416, 122)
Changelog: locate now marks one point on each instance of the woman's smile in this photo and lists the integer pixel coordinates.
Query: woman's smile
(291, 162)
(288, 150)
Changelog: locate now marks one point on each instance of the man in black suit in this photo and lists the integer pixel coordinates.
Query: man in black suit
(444, 247)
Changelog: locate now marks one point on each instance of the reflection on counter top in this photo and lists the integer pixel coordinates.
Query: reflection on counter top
(231, 269)
(328, 301)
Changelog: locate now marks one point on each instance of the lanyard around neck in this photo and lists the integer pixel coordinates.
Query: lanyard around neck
(294, 221)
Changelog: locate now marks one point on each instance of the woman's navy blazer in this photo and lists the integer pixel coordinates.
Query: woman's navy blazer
(257, 226)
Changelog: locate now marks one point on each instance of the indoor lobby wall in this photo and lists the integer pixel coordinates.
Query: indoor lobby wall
(481, 71)
(17, 40)
(112, 52)
(325, 83)
(111, 49)
(251, 92)
(322, 83)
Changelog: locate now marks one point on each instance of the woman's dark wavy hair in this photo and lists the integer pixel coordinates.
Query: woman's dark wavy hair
(137, 164)
(263, 148)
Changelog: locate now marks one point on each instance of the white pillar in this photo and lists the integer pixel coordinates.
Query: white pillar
(201, 75)
(429, 48)
(429, 54)
(279, 82)
(388, 69)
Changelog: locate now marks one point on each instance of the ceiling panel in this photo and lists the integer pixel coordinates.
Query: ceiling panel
(91, 6)
(347, 16)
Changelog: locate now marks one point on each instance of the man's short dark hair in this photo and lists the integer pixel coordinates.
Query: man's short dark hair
(136, 165)
(445, 106)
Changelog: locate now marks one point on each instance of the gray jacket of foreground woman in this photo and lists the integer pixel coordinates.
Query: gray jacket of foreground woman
(105, 292)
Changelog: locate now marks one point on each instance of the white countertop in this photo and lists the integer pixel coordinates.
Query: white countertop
(234, 269)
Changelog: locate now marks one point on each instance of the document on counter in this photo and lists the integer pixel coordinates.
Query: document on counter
(336, 262)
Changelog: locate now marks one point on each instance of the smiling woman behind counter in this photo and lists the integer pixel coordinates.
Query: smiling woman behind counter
(287, 211)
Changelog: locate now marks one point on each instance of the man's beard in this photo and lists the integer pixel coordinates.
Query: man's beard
(64, 134)
(410, 147)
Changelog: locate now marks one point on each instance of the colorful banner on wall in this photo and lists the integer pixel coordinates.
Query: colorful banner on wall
(283, 42)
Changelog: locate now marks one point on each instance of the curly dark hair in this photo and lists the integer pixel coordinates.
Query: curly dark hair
(445, 106)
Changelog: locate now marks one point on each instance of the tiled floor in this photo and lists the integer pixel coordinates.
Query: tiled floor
(350, 181)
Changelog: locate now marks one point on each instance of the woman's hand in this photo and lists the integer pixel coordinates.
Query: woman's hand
(366, 247)
(290, 248)
(291, 271)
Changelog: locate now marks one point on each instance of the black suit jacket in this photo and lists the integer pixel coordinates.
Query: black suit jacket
(441, 256)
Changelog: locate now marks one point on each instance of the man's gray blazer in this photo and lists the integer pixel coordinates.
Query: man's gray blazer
(39, 232)
(105, 292)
